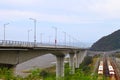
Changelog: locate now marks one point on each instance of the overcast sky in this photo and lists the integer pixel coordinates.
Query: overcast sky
(85, 20)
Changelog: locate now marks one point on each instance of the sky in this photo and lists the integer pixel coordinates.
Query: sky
(82, 20)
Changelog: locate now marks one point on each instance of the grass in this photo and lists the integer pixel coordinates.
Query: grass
(83, 73)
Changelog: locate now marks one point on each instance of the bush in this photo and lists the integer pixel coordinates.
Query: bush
(84, 66)
(6, 73)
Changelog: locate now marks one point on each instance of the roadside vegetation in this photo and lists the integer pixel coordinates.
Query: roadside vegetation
(82, 73)
(117, 55)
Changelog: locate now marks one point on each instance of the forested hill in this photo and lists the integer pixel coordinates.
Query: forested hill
(108, 43)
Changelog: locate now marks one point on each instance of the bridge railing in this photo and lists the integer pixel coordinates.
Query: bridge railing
(9, 43)
(16, 43)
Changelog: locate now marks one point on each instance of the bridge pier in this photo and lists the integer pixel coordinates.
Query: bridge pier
(71, 63)
(77, 59)
(60, 65)
(82, 55)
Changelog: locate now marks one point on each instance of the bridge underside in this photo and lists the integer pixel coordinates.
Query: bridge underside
(6, 66)
(10, 58)
(17, 57)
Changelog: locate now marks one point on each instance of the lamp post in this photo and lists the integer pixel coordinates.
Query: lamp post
(4, 30)
(34, 30)
(41, 35)
(55, 35)
(69, 40)
(29, 33)
(64, 38)
(49, 39)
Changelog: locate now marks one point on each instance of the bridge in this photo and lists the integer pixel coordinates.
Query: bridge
(16, 52)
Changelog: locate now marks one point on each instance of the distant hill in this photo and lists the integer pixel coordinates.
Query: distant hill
(108, 43)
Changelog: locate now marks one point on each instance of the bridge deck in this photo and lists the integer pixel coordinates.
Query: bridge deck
(23, 44)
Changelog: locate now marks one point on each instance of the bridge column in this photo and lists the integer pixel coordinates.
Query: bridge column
(77, 59)
(71, 63)
(82, 56)
(60, 65)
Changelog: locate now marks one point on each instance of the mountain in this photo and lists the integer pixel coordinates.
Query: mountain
(108, 43)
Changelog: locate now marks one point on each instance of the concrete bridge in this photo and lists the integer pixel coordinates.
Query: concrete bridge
(16, 52)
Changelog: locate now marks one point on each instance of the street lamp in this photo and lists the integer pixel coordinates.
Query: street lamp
(29, 33)
(34, 30)
(49, 39)
(55, 35)
(41, 35)
(74, 41)
(69, 40)
(4, 29)
(64, 37)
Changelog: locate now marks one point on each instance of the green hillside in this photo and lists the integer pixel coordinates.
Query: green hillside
(108, 43)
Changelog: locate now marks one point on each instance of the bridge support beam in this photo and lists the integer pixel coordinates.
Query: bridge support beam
(71, 63)
(60, 66)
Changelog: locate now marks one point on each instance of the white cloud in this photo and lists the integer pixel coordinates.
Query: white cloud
(76, 11)
(16, 14)
(7, 14)
(17, 2)
(107, 9)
